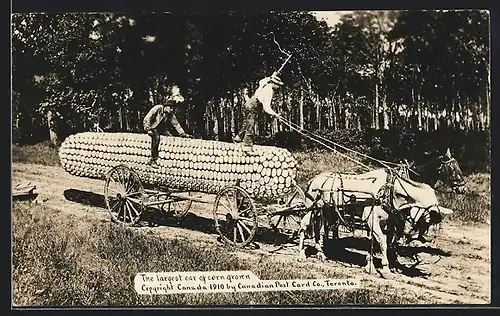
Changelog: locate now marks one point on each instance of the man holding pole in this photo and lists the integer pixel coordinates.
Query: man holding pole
(261, 99)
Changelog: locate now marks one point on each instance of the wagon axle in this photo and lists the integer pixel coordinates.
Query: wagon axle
(232, 217)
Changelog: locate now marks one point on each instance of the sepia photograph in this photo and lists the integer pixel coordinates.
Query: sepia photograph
(305, 158)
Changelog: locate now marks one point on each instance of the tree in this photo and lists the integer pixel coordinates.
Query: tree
(76, 67)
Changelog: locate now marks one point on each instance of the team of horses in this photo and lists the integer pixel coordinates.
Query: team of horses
(393, 205)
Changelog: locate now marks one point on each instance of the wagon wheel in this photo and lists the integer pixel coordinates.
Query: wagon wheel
(235, 216)
(124, 195)
(178, 207)
(289, 223)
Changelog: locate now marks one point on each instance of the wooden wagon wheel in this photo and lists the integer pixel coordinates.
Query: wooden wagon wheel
(124, 195)
(289, 223)
(235, 216)
(178, 207)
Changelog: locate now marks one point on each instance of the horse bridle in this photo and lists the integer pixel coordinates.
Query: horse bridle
(453, 186)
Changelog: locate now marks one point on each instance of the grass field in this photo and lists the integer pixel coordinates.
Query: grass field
(42, 154)
(63, 261)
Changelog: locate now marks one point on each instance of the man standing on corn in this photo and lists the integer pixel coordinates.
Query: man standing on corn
(261, 99)
(158, 114)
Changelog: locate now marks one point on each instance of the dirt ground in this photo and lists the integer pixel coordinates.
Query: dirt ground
(455, 267)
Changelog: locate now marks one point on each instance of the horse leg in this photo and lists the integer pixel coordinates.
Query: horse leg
(320, 231)
(382, 240)
(374, 224)
(304, 224)
(302, 250)
(395, 233)
(368, 217)
(391, 247)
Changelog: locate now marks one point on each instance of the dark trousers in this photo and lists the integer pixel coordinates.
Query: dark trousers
(155, 142)
(249, 120)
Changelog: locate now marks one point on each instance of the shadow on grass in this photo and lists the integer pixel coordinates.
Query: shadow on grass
(26, 197)
(348, 250)
(85, 197)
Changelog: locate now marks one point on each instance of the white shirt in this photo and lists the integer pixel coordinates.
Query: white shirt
(264, 94)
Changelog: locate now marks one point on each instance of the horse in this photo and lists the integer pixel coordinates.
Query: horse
(444, 169)
(327, 191)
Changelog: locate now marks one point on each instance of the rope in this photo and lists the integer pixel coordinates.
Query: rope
(323, 139)
(327, 140)
(323, 144)
(300, 130)
(380, 161)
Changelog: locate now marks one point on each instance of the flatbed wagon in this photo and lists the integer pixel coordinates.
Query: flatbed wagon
(242, 189)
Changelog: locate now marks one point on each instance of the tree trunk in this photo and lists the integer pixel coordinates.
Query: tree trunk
(212, 121)
(375, 123)
(419, 113)
(330, 113)
(347, 116)
(139, 121)
(334, 113)
(488, 99)
(220, 120)
(52, 132)
(120, 118)
(301, 109)
(127, 121)
(227, 119)
(340, 112)
(391, 118)
(234, 118)
(318, 112)
(289, 110)
(385, 116)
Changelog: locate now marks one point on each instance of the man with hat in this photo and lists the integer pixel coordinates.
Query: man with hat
(152, 121)
(261, 99)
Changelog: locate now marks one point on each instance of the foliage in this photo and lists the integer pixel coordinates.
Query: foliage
(374, 69)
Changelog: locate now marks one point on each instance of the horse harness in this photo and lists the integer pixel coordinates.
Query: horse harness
(384, 198)
(343, 198)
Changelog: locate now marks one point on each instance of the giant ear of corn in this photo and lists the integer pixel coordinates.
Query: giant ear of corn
(186, 164)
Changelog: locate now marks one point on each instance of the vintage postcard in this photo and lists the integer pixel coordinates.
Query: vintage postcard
(276, 158)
